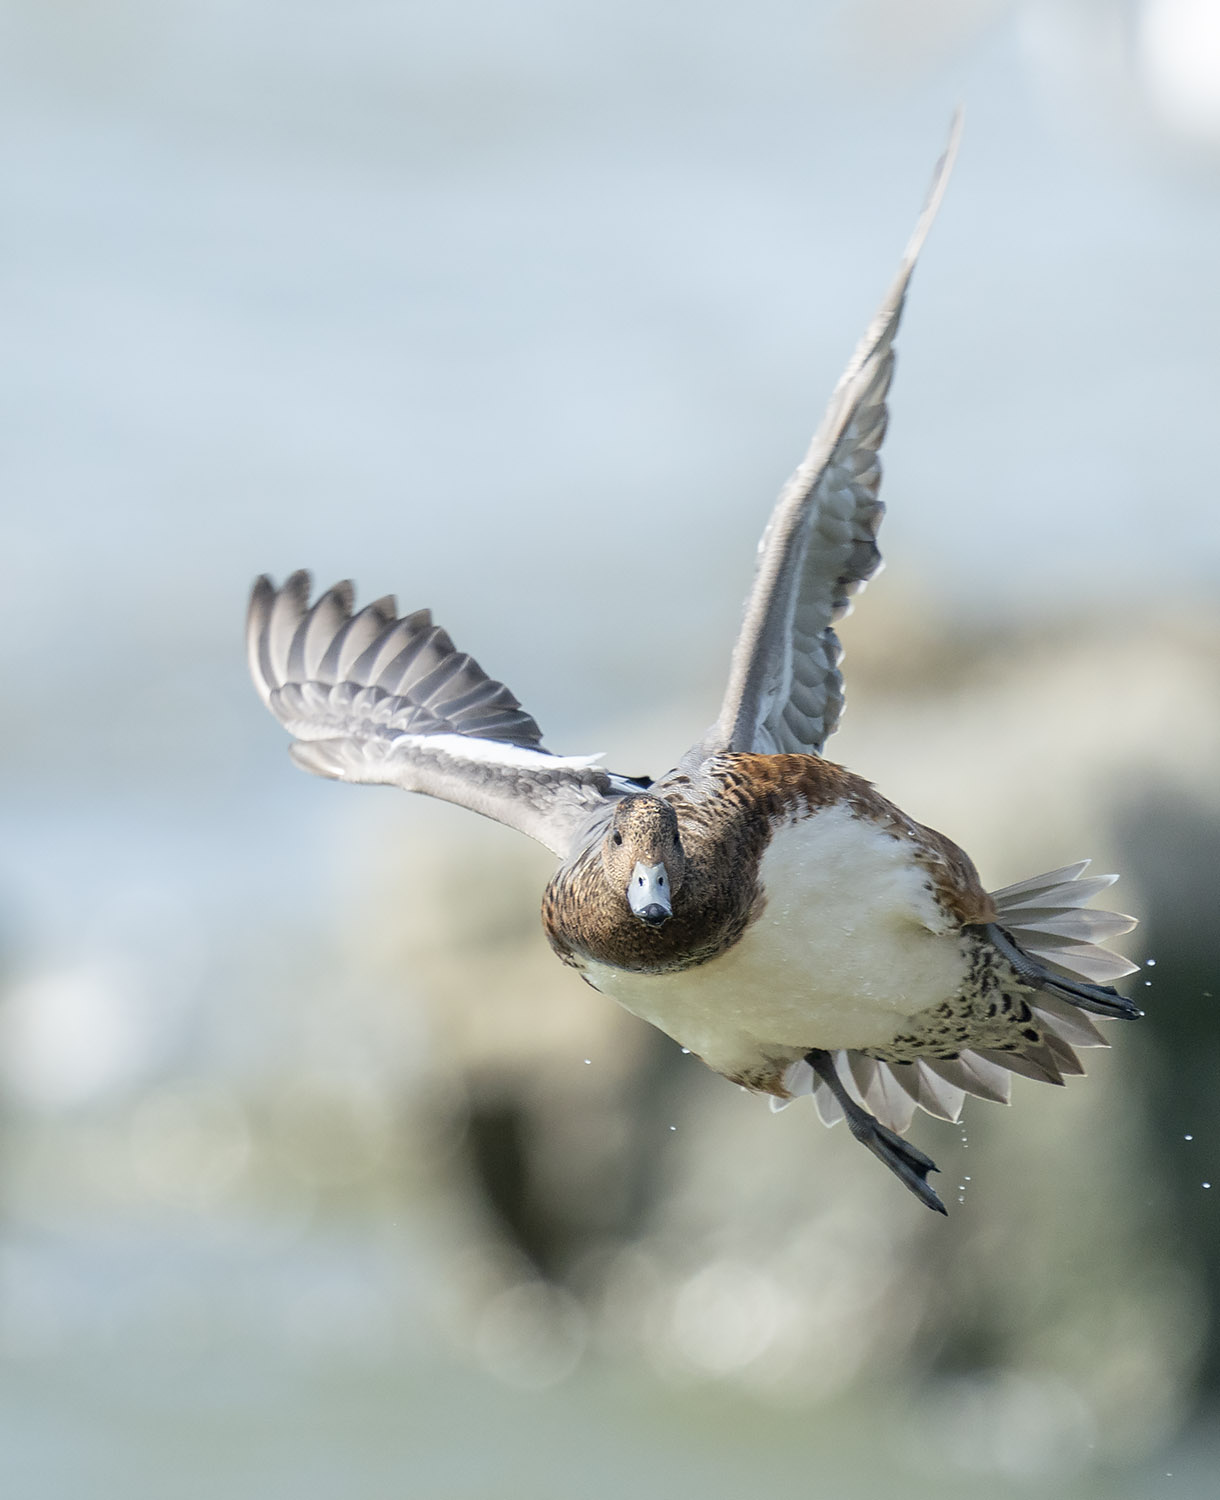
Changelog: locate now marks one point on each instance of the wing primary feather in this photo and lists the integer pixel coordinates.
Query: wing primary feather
(392, 641)
(316, 631)
(287, 608)
(262, 599)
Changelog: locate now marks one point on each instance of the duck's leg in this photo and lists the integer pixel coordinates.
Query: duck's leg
(1101, 999)
(907, 1162)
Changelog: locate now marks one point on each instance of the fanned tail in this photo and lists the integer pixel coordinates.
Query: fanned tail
(1044, 929)
(1045, 917)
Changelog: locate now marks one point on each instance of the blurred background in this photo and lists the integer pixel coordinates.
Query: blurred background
(317, 1174)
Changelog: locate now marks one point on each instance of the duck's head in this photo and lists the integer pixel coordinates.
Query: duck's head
(642, 856)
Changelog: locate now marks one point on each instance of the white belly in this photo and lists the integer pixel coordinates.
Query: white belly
(850, 945)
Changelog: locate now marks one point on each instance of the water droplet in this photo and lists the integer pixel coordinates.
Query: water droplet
(1207, 1184)
(1152, 963)
(673, 1127)
(1147, 984)
(1188, 1137)
(686, 1052)
(588, 1062)
(967, 1179)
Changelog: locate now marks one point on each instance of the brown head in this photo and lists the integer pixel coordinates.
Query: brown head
(642, 856)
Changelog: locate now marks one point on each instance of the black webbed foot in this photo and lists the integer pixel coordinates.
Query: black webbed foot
(907, 1162)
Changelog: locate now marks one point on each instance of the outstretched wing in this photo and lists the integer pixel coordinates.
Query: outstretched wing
(785, 692)
(371, 697)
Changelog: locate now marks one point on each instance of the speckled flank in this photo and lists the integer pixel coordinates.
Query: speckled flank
(991, 1012)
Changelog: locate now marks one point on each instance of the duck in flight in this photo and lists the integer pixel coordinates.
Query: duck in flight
(763, 906)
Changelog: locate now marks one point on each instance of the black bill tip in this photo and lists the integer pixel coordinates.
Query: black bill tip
(654, 915)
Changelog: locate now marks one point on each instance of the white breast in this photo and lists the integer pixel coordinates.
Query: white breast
(850, 945)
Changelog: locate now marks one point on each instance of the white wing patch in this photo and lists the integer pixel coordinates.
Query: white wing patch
(491, 752)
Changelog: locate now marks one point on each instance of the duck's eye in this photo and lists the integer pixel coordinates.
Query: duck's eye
(618, 837)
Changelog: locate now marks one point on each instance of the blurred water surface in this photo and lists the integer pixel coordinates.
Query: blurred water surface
(317, 1173)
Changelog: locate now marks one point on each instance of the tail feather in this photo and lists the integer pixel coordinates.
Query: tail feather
(932, 1092)
(973, 1074)
(1036, 1061)
(1065, 878)
(1066, 1061)
(879, 1091)
(1067, 1021)
(1044, 918)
